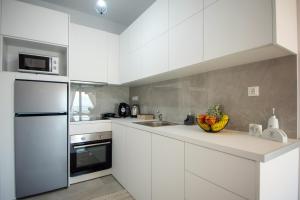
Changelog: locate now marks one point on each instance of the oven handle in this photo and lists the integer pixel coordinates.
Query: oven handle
(91, 145)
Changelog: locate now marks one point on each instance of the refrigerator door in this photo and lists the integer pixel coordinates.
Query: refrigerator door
(32, 97)
(41, 155)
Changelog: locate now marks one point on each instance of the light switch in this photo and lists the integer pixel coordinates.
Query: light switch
(253, 91)
(135, 98)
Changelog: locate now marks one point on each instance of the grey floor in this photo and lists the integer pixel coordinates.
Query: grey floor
(105, 188)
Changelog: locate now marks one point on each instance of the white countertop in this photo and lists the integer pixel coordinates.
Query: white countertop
(232, 142)
(90, 122)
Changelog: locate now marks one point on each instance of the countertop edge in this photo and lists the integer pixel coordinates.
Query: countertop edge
(224, 149)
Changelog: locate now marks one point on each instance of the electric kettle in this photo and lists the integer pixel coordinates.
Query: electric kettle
(135, 110)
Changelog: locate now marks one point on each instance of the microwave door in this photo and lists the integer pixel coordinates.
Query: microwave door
(34, 63)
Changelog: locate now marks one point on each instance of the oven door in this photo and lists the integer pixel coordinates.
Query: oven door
(34, 63)
(90, 157)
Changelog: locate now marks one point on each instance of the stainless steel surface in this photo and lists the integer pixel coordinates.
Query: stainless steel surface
(160, 117)
(156, 123)
(41, 149)
(135, 110)
(40, 97)
(91, 145)
(91, 137)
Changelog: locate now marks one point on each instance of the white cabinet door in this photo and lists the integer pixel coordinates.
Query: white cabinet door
(167, 168)
(131, 68)
(209, 2)
(155, 56)
(32, 22)
(197, 188)
(180, 10)
(88, 54)
(135, 33)
(155, 20)
(236, 174)
(231, 26)
(186, 42)
(113, 59)
(138, 156)
(7, 173)
(118, 154)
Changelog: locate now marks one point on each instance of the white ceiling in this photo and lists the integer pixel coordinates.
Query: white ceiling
(119, 11)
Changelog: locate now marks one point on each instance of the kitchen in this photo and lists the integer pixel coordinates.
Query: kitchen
(129, 100)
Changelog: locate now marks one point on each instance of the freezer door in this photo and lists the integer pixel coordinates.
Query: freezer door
(40, 154)
(40, 97)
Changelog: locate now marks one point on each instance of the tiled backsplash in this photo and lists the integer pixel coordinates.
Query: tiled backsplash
(277, 79)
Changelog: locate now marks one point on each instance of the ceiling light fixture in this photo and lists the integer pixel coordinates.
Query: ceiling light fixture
(101, 7)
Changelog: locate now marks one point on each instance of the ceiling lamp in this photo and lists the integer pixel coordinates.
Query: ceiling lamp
(101, 7)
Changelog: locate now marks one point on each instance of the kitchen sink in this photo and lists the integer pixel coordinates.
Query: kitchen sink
(156, 123)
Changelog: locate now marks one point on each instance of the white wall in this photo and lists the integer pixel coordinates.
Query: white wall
(83, 18)
(298, 83)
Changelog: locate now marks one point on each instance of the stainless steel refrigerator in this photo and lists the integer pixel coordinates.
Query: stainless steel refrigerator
(41, 137)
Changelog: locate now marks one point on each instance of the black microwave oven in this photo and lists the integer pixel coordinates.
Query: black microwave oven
(38, 64)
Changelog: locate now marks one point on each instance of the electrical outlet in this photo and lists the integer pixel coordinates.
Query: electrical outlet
(253, 91)
(255, 129)
(135, 98)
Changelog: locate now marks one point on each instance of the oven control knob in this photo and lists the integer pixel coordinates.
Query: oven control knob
(82, 138)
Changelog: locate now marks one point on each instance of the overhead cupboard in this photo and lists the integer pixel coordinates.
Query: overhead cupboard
(94, 55)
(195, 36)
(26, 21)
(33, 30)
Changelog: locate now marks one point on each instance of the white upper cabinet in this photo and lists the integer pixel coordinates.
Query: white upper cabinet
(26, 21)
(186, 42)
(155, 56)
(286, 24)
(113, 73)
(131, 66)
(183, 9)
(231, 26)
(205, 35)
(209, 2)
(135, 34)
(88, 54)
(155, 20)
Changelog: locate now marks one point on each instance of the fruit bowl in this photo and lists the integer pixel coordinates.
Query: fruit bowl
(212, 125)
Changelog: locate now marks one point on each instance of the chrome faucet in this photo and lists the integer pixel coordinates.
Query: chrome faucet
(160, 115)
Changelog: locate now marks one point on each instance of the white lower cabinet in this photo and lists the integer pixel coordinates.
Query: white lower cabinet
(155, 167)
(167, 168)
(131, 164)
(118, 153)
(230, 172)
(198, 189)
(138, 156)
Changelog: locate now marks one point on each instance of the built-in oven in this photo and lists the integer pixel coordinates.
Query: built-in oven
(90, 153)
